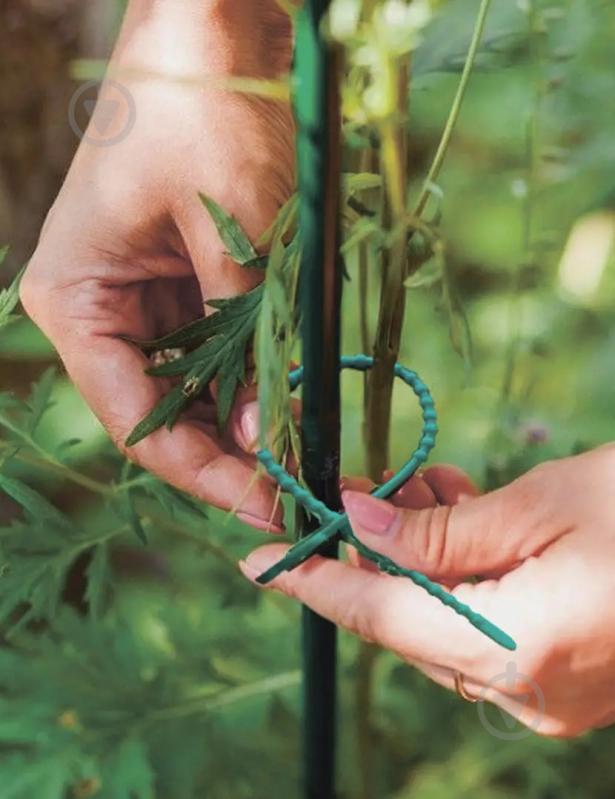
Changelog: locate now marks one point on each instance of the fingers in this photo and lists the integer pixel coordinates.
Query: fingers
(414, 494)
(450, 485)
(477, 536)
(387, 610)
(110, 375)
(245, 427)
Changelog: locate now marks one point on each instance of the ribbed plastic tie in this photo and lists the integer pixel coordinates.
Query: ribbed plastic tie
(336, 526)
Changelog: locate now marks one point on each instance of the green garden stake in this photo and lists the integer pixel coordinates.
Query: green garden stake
(316, 76)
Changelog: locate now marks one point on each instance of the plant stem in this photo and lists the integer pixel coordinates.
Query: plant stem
(453, 114)
(47, 463)
(364, 690)
(392, 294)
(199, 705)
(367, 163)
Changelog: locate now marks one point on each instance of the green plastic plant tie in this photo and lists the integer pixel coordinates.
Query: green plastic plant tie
(337, 525)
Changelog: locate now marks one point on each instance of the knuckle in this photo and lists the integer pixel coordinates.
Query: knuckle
(426, 536)
(36, 290)
(31, 291)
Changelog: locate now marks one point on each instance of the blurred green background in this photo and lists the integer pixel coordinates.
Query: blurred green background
(158, 672)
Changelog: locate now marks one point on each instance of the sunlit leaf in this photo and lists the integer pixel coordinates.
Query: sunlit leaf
(238, 245)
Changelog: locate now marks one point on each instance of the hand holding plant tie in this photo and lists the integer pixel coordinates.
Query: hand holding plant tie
(336, 525)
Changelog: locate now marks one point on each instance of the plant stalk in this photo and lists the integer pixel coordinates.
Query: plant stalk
(453, 114)
(392, 292)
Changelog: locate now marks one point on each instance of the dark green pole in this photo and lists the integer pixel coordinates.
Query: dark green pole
(318, 152)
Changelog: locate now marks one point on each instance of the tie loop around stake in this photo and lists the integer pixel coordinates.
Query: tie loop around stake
(336, 525)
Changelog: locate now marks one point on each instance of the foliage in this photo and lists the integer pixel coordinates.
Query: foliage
(155, 671)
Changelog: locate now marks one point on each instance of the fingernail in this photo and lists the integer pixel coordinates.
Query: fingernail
(261, 524)
(370, 514)
(248, 571)
(256, 563)
(249, 425)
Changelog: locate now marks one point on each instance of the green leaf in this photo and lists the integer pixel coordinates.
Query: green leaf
(228, 380)
(126, 505)
(426, 277)
(238, 245)
(9, 297)
(98, 581)
(40, 398)
(157, 418)
(129, 773)
(234, 321)
(221, 356)
(459, 326)
(363, 229)
(24, 777)
(355, 182)
(284, 221)
(39, 508)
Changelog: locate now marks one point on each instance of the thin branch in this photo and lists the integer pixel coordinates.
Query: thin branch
(200, 705)
(453, 115)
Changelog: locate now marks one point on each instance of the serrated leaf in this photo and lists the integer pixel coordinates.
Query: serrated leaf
(98, 581)
(239, 246)
(9, 297)
(228, 379)
(285, 219)
(234, 317)
(39, 400)
(222, 356)
(126, 507)
(32, 502)
(157, 417)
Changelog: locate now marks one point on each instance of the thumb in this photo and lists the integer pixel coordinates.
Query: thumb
(487, 534)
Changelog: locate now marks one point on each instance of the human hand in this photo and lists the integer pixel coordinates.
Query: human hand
(128, 250)
(545, 548)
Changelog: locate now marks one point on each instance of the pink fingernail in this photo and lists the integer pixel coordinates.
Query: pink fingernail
(249, 426)
(260, 524)
(370, 514)
(248, 571)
